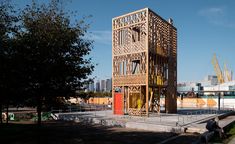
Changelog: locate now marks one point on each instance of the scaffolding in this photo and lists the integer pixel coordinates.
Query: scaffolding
(144, 63)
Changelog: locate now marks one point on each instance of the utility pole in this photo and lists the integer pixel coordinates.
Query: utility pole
(219, 101)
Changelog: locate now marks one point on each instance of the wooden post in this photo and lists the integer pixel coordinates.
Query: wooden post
(147, 63)
(151, 100)
(158, 101)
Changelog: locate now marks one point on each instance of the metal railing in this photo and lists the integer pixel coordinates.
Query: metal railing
(81, 108)
(104, 112)
(200, 114)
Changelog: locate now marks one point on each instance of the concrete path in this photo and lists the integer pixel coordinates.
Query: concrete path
(226, 121)
(185, 123)
(179, 123)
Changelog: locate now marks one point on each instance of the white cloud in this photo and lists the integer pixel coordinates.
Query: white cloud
(212, 11)
(102, 37)
(214, 15)
(217, 16)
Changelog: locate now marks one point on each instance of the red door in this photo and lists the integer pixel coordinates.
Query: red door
(118, 104)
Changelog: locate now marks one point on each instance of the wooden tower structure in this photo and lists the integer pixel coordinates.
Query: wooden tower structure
(144, 63)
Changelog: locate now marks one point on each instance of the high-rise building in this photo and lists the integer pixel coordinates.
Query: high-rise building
(108, 85)
(102, 86)
(97, 86)
(91, 87)
(210, 80)
(86, 87)
(213, 79)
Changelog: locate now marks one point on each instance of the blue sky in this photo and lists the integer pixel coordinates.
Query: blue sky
(204, 27)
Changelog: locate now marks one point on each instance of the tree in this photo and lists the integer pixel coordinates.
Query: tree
(53, 53)
(85, 95)
(7, 52)
(102, 94)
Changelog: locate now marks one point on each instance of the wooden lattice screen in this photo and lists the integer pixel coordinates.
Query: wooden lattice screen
(144, 57)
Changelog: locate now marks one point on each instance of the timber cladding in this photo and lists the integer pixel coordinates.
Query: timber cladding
(144, 55)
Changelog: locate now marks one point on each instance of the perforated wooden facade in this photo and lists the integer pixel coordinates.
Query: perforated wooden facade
(144, 58)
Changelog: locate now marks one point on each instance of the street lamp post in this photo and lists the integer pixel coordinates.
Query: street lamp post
(219, 99)
(219, 102)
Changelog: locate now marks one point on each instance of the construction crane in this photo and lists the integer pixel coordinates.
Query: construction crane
(227, 73)
(217, 69)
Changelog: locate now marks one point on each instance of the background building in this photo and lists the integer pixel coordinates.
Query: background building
(103, 86)
(210, 80)
(97, 86)
(91, 87)
(108, 85)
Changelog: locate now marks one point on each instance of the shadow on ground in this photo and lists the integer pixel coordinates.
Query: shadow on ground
(77, 133)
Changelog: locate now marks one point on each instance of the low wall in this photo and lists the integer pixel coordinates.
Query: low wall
(228, 103)
(103, 100)
(182, 103)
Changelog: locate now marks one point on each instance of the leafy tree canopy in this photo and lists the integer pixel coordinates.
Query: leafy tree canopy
(53, 50)
(43, 55)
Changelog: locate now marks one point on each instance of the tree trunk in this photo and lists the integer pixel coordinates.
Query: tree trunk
(7, 112)
(39, 110)
(1, 112)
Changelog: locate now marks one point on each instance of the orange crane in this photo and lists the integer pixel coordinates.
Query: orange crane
(217, 69)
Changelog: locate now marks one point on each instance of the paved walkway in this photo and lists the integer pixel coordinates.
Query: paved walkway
(200, 125)
(189, 122)
(182, 122)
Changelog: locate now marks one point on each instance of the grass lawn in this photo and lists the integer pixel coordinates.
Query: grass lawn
(230, 133)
